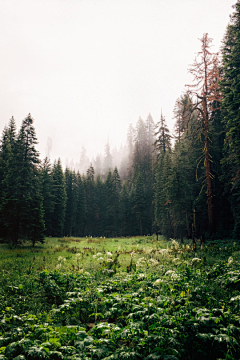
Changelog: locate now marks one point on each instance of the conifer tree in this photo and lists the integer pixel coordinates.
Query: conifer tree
(107, 161)
(59, 196)
(125, 212)
(89, 186)
(80, 207)
(163, 137)
(230, 105)
(71, 202)
(47, 194)
(139, 201)
(21, 207)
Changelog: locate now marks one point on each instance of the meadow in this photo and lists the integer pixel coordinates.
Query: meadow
(120, 298)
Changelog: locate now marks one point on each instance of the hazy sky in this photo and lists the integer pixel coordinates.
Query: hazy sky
(85, 69)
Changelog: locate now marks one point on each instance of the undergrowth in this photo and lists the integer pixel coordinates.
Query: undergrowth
(134, 299)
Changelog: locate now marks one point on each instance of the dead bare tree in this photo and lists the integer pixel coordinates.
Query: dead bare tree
(205, 92)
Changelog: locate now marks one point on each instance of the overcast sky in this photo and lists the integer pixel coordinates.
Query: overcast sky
(86, 69)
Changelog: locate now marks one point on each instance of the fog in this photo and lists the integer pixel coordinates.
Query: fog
(86, 69)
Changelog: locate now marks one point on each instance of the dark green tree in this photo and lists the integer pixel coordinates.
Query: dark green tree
(22, 203)
(80, 207)
(163, 137)
(231, 110)
(71, 202)
(47, 194)
(59, 196)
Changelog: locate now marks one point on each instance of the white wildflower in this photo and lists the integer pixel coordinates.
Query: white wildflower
(163, 252)
(100, 258)
(58, 266)
(64, 259)
(108, 253)
(175, 244)
(175, 276)
(109, 260)
(170, 272)
(77, 255)
(176, 259)
(153, 262)
(94, 256)
(99, 254)
(87, 273)
(60, 258)
(158, 281)
(230, 260)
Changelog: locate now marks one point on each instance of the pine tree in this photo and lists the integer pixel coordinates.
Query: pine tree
(80, 207)
(21, 207)
(89, 186)
(139, 201)
(107, 161)
(71, 202)
(125, 212)
(163, 137)
(182, 113)
(47, 194)
(163, 219)
(230, 106)
(59, 196)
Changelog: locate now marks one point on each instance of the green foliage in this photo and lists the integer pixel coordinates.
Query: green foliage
(59, 196)
(230, 108)
(21, 207)
(172, 304)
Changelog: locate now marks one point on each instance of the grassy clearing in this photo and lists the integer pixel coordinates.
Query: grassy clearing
(128, 298)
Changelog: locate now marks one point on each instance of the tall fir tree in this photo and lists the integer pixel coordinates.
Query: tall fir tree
(59, 196)
(47, 194)
(230, 106)
(22, 204)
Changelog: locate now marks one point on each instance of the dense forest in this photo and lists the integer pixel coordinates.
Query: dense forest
(172, 184)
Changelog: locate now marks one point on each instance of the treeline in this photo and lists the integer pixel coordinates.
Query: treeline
(172, 187)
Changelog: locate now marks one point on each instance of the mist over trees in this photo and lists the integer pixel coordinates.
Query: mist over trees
(173, 184)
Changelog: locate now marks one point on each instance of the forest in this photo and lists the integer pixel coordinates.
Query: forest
(172, 184)
(107, 263)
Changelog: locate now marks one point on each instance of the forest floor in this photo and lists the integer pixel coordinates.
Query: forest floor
(120, 298)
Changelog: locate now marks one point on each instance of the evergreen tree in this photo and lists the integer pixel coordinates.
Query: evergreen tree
(59, 196)
(182, 113)
(47, 194)
(125, 212)
(163, 201)
(71, 202)
(89, 186)
(139, 201)
(80, 207)
(21, 207)
(107, 161)
(163, 140)
(230, 106)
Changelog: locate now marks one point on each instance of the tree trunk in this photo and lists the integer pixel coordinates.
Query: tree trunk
(208, 168)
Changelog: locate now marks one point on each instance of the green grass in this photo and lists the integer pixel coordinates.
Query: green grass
(128, 298)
